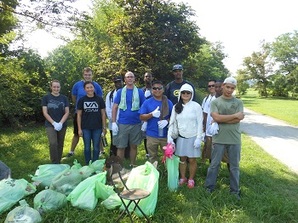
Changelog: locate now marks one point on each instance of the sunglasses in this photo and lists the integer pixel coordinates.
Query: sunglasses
(157, 88)
(211, 85)
(185, 92)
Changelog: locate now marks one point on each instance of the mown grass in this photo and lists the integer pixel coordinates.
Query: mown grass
(280, 108)
(269, 188)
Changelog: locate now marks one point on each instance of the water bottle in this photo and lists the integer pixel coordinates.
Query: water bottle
(160, 132)
(104, 141)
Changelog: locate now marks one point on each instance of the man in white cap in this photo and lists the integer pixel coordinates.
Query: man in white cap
(228, 112)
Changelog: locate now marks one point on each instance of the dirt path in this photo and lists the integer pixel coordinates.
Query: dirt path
(276, 137)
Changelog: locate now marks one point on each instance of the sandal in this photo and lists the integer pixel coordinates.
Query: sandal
(191, 183)
(182, 181)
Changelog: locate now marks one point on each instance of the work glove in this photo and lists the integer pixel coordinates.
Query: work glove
(214, 128)
(162, 123)
(144, 126)
(170, 140)
(156, 112)
(203, 137)
(197, 143)
(115, 128)
(57, 126)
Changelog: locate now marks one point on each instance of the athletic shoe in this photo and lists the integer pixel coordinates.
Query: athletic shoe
(182, 181)
(191, 183)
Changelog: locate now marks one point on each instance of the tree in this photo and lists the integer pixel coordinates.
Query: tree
(285, 52)
(142, 35)
(259, 67)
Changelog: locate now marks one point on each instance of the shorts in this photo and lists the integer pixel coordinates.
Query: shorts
(75, 125)
(128, 133)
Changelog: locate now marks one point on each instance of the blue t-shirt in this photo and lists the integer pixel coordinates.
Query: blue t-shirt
(128, 116)
(79, 91)
(152, 127)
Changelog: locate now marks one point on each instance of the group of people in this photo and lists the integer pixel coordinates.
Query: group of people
(163, 113)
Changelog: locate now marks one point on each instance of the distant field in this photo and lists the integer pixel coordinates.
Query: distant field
(283, 109)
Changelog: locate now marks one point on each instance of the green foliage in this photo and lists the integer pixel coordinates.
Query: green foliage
(22, 83)
(66, 64)
(269, 189)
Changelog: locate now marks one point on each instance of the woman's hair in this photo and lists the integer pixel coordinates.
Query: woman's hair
(54, 81)
(179, 106)
(88, 82)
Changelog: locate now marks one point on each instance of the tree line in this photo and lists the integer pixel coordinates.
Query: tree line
(120, 35)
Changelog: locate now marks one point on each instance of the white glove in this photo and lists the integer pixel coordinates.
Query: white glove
(162, 124)
(144, 126)
(56, 126)
(170, 140)
(203, 137)
(59, 126)
(197, 143)
(156, 112)
(115, 128)
(214, 128)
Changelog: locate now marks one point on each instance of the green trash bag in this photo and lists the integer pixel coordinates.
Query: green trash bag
(172, 165)
(49, 200)
(67, 181)
(86, 171)
(112, 202)
(144, 177)
(84, 195)
(103, 191)
(98, 165)
(76, 165)
(11, 191)
(45, 173)
(23, 214)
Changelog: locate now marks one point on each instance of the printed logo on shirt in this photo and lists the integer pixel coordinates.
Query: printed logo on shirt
(90, 106)
(176, 93)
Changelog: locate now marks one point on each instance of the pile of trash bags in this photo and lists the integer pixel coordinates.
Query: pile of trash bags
(82, 186)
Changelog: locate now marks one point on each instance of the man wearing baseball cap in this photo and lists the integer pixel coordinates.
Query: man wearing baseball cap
(172, 88)
(227, 111)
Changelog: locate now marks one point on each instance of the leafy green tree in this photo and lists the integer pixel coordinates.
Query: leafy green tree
(259, 68)
(242, 82)
(141, 36)
(285, 52)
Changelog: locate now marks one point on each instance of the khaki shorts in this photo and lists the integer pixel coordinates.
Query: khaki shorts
(128, 133)
(152, 147)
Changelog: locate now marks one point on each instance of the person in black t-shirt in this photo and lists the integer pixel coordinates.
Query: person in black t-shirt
(91, 121)
(172, 88)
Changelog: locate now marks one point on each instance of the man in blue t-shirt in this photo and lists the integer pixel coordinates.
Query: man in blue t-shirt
(78, 92)
(128, 127)
(156, 111)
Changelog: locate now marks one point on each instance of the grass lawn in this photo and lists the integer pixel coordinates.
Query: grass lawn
(283, 109)
(269, 188)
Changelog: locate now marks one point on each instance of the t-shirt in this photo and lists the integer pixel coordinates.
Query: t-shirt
(91, 111)
(56, 107)
(228, 133)
(79, 91)
(152, 127)
(172, 91)
(128, 116)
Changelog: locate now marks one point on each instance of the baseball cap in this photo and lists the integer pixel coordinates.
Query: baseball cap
(177, 67)
(118, 78)
(230, 80)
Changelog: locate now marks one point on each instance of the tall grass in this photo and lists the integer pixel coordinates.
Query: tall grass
(280, 108)
(269, 188)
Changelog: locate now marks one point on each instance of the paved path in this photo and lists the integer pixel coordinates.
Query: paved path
(276, 137)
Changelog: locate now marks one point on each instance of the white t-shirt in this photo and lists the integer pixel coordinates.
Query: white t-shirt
(207, 110)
